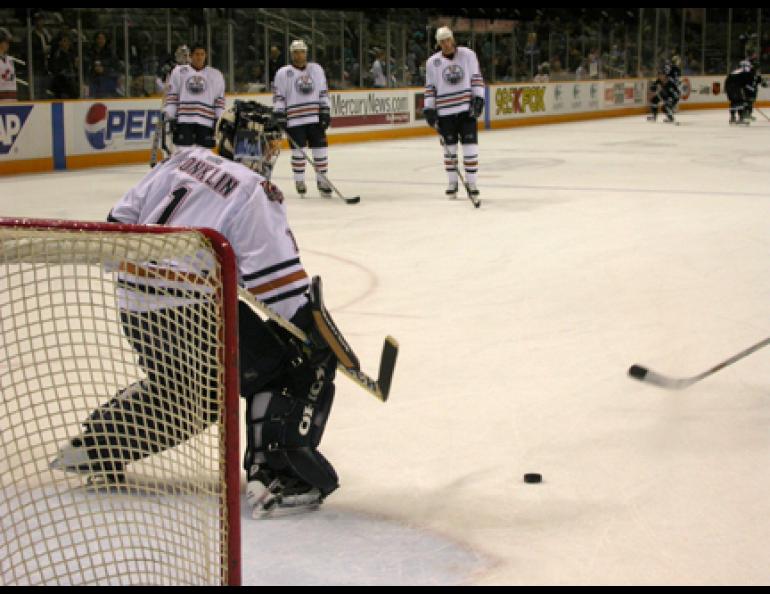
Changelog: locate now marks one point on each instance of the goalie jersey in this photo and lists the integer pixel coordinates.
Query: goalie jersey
(195, 96)
(301, 93)
(196, 188)
(451, 83)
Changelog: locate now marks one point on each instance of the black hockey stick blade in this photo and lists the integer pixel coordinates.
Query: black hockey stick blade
(643, 374)
(475, 201)
(352, 200)
(387, 366)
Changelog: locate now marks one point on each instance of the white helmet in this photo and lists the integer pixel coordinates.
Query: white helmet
(298, 46)
(444, 33)
(182, 55)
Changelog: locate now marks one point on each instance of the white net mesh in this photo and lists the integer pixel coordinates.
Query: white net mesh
(111, 345)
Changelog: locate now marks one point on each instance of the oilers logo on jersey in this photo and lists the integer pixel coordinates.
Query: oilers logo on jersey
(453, 74)
(304, 84)
(196, 85)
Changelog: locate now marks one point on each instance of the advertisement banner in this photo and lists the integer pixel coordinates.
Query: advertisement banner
(109, 126)
(624, 93)
(363, 109)
(25, 131)
(574, 97)
(517, 100)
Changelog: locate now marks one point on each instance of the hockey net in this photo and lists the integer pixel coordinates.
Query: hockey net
(171, 517)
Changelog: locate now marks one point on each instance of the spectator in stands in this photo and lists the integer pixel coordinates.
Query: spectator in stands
(543, 73)
(595, 64)
(532, 53)
(582, 70)
(41, 49)
(557, 70)
(275, 63)
(61, 63)
(102, 68)
(7, 68)
(377, 71)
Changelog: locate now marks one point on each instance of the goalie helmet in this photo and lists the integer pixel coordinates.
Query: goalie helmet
(246, 133)
(182, 55)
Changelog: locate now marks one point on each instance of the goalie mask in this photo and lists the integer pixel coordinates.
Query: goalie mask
(182, 55)
(245, 134)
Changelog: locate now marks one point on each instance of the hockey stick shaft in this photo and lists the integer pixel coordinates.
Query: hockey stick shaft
(379, 388)
(763, 113)
(646, 375)
(353, 200)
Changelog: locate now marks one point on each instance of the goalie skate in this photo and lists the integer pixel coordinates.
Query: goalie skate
(73, 458)
(279, 500)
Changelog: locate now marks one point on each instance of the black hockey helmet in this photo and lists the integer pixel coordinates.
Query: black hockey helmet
(246, 133)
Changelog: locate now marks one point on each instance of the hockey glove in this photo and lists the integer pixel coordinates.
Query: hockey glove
(477, 107)
(324, 118)
(278, 121)
(430, 116)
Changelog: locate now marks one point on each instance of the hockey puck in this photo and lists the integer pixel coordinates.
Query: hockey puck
(533, 478)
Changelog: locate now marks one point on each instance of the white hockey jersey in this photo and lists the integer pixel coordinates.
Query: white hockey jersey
(450, 84)
(196, 188)
(301, 93)
(7, 79)
(195, 96)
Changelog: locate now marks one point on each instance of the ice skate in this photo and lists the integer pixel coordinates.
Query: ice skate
(324, 189)
(73, 458)
(451, 191)
(301, 188)
(284, 496)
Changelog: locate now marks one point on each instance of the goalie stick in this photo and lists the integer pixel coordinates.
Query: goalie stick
(379, 388)
(644, 374)
(160, 129)
(351, 200)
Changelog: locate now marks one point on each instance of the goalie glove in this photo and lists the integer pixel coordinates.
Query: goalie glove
(277, 121)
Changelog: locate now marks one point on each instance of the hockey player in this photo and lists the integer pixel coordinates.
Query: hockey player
(656, 94)
(7, 68)
(302, 107)
(737, 87)
(288, 386)
(673, 87)
(195, 100)
(180, 58)
(454, 99)
(752, 89)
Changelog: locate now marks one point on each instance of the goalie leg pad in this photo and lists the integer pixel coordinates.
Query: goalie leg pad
(284, 431)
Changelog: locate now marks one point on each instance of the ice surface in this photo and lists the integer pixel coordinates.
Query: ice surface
(598, 245)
